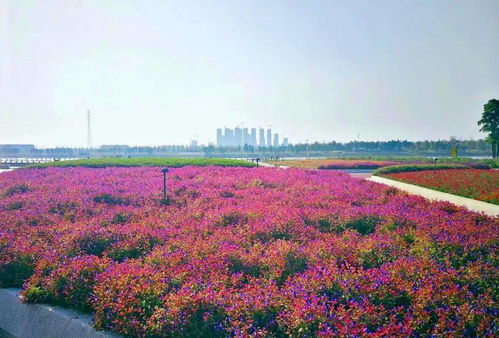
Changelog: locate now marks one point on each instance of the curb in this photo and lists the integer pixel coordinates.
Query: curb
(36, 320)
(473, 205)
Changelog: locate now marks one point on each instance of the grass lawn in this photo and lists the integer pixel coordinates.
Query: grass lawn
(417, 167)
(146, 162)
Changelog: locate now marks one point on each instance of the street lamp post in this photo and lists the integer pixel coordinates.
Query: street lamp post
(164, 171)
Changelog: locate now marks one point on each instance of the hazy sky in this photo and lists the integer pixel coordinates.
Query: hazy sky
(161, 72)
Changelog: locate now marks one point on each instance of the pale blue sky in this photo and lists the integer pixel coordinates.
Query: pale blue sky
(161, 72)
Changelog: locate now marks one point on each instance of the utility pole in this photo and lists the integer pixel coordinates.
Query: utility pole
(89, 131)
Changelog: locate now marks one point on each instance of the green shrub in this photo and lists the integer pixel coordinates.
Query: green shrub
(131, 248)
(376, 257)
(408, 238)
(62, 208)
(332, 291)
(295, 263)
(197, 319)
(110, 199)
(227, 194)
(94, 244)
(326, 225)
(276, 234)
(493, 163)
(203, 322)
(236, 265)
(35, 294)
(166, 201)
(146, 162)
(267, 319)
(232, 218)
(69, 284)
(14, 273)
(122, 253)
(20, 188)
(364, 225)
(478, 165)
(393, 300)
(120, 218)
(14, 206)
(416, 167)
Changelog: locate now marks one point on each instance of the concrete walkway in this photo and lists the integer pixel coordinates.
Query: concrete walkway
(265, 164)
(471, 204)
(38, 320)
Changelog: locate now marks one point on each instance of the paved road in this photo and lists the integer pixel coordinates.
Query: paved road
(22, 320)
(474, 205)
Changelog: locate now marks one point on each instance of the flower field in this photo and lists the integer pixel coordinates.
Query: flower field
(408, 163)
(337, 163)
(473, 183)
(247, 252)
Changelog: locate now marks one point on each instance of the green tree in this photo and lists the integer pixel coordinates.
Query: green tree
(490, 124)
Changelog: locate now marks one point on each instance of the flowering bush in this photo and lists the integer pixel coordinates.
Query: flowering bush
(69, 283)
(338, 163)
(247, 252)
(478, 184)
(357, 164)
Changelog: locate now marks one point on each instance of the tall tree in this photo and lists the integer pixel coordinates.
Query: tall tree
(490, 124)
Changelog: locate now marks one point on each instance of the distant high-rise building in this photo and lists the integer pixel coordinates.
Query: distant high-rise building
(261, 141)
(276, 140)
(220, 139)
(194, 143)
(238, 137)
(253, 137)
(246, 137)
(228, 137)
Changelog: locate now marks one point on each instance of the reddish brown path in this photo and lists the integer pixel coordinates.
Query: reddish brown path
(360, 175)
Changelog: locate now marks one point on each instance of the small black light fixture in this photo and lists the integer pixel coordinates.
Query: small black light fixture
(164, 171)
(257, 160)
(435, 164)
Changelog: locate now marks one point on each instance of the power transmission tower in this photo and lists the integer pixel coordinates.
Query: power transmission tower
(89, 131)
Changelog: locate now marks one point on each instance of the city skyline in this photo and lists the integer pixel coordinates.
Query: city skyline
(244, 136)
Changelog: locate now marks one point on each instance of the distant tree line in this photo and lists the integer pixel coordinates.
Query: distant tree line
(394, 147)
(470, 147)
(103, 151)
